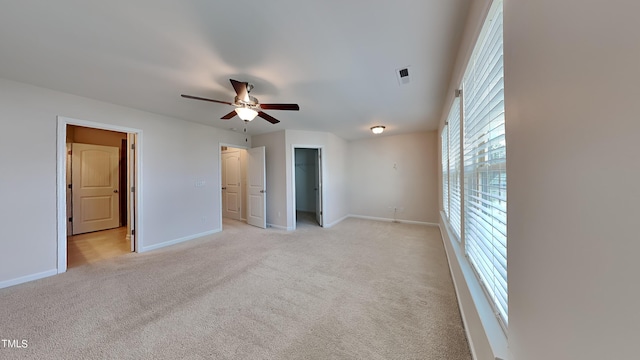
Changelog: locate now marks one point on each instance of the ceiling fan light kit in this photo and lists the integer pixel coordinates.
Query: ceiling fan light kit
(246, 105)
(378, 129)
(246, 114)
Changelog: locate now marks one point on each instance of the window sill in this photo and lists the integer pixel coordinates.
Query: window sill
(487, 339)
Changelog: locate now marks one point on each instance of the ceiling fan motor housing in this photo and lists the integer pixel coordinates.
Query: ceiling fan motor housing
(252, 103)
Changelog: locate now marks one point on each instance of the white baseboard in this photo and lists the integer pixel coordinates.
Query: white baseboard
(177, 241)
(279, 227)
(27, 278)
(336, 222)
(392, 220)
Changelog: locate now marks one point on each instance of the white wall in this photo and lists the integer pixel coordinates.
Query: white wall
(280, 205)
(334, 174)
(571, 75)
(176, 154)
(572, 70)
(390, 172)
(336, 180)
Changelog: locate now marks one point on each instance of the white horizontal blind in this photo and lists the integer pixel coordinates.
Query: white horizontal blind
(444, 140)
(455, 200)
(485, 176)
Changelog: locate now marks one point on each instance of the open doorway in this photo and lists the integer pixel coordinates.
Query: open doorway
(307, 180)
(98, 174)
(243, 185)
(97, 167)
(233, 172)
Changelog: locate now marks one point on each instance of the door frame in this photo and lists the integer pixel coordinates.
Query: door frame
(229, 145)
(323, 174)
(61, 182)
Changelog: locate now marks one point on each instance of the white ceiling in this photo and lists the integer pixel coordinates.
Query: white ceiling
(336, 58)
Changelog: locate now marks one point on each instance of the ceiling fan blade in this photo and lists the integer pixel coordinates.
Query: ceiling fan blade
(241, 89)
(205, 99)
(229, 115)
(280, 107)
(268, 117)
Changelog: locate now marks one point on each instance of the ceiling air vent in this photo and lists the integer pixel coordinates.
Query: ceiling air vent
(403, 75)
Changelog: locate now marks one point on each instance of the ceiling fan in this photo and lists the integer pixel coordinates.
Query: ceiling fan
(247, 106)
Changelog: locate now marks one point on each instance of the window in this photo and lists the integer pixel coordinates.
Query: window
(445, 169)
(485, 176)
(455, 192)
(482, 120)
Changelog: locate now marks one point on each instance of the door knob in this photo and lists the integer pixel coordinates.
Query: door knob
(262, 191)
(224, 188)
(115, 190)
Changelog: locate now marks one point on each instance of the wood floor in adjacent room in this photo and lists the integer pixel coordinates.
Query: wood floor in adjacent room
(96, 246)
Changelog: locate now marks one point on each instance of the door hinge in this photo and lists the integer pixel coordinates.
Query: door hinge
(133, 189)
(458, 92)
(133, 146)
(70, 219)
(69, 186)
(133, 232)
(320, 212)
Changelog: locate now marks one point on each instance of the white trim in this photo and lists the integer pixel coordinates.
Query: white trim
(482, 327)
(320, 148)
(61, 195)
(336, 222)
(458, 297)
(279, 227)
(61, 182)
(27, 278)
(392, 220)
(180, 240)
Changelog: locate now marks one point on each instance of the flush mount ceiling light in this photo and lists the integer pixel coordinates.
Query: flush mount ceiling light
(377, 129)
(246, 114)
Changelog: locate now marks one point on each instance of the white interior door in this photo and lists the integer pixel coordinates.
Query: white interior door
(95, 186)
(231, 185)
(318, 186)
(256, 176)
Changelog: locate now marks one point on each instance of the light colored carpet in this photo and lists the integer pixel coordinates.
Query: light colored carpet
(360, 290)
